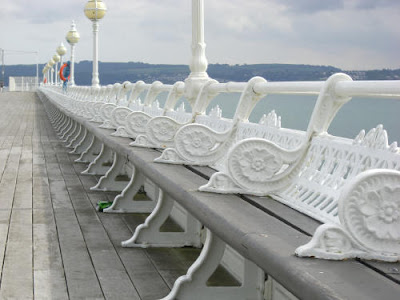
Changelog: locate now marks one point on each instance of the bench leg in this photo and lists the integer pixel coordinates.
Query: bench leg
(84, 143)
(60, 123)
(64, 127)
(111, 180)
(193, 285)
(71, 133)
(148, 234)
(78, 137)
(124, 202)
(53, 114)
(91, 152)
(100, 164)
(69, 126)
(58, 120)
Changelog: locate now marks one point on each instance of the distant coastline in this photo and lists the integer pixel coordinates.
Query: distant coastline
(119, 72)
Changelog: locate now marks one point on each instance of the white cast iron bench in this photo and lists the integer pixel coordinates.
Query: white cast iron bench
(313, 172)
(255, 233)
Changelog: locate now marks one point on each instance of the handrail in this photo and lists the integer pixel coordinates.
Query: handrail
(389, 88)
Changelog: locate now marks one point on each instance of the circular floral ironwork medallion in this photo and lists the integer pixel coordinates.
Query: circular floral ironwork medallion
(370, 210)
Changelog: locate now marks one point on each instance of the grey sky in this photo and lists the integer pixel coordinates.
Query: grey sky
(350, 34)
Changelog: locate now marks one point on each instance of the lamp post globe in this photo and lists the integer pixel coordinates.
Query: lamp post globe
(95, 10)
(56, 58)
(72, 38)
(61, 50)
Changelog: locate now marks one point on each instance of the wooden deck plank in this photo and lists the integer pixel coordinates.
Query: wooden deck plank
(7, 190)
(114, 281)
(9, 171)
(49, 275)
(80, 275)
(81, 280)
(48, 269)
(17, 279)
(4, 226)
(23, 191)
(112, 274)
(147, 279)
(9, 179)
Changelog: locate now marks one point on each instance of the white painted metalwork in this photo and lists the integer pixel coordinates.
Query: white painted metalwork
(21, 84)
(305, 170)
(193, 285)
(352, 186)
(148, 234)
(72, 38)
(95, 10)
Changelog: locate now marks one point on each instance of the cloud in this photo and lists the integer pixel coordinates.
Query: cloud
(312, 6)
(47, 12)
(373, 4)
(347, 34)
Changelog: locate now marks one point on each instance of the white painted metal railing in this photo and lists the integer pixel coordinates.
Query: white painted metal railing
(22, 84)
(305, 170)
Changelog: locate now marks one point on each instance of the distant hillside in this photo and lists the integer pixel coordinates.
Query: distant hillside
(133, 71)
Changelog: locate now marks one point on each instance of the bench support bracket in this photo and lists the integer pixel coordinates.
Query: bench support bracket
(125, 203)
(148, 234)
(110, 182)
(84, 143)
(99, 165)
(90, 154)
(193, 285)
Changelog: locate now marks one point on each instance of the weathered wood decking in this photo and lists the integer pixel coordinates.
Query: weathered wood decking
(53, 243)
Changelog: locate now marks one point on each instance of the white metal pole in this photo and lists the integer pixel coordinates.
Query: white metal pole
(72, 82)
(61, 63)
(2, 67)
(95, 75)
(37, 70)
(55, 73)
(198, 63)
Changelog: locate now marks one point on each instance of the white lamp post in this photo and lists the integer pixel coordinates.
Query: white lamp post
(72, 38)
(56, 59)
(51, 64)
(94, 11)
(61, 51)
(47, 68)
(44, 75)
(198, 64)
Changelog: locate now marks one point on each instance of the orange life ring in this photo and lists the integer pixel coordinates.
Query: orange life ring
(61, 72)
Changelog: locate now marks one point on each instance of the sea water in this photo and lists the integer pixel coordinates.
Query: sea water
(295, 111)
